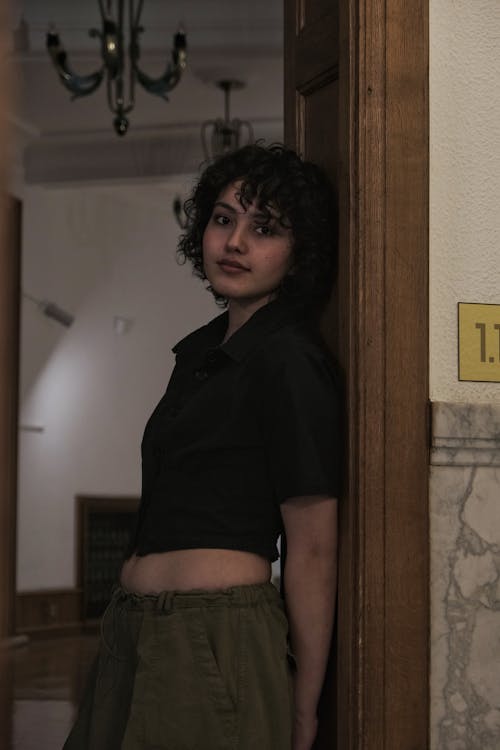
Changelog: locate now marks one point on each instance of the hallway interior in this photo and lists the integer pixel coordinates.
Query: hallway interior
(40, 686)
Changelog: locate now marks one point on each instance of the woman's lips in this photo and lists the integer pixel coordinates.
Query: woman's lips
(230, 266)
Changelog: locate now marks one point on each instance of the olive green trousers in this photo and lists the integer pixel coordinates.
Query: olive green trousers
(190, 670)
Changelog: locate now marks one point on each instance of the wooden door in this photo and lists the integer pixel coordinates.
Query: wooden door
(9, 370)
(356, 101)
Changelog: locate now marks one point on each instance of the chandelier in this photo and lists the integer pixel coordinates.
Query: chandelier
(221, 136)
(119, 63)
(218, 137)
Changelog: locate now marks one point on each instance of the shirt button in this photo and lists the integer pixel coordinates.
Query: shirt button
(211, 357)
(201, 374)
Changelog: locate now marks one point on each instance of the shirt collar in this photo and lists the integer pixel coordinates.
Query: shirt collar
(209, 335)
(266, 319)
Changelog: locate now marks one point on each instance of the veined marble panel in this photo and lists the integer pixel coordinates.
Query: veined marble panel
(465, 577)
(465, 434)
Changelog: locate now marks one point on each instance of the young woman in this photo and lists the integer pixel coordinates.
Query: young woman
(198, 650)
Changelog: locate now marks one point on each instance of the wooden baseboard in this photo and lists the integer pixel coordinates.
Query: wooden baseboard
(48, 612)
(53, 631)
(15, 641)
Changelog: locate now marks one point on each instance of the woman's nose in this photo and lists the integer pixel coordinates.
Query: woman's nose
(236, 239)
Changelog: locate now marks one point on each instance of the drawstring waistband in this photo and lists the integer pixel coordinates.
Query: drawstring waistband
(167, 601)
(123, 602)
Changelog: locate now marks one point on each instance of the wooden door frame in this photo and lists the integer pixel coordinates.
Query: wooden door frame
(386, 345)
(378, 697)
(9, 359)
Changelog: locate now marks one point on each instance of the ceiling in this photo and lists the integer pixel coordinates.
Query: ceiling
(57, 139)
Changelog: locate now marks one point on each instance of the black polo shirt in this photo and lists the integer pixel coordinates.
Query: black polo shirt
(242, 427)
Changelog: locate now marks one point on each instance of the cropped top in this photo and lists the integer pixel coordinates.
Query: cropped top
(242, 427)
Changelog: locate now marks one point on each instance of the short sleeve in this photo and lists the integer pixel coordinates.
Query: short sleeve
(302, 426)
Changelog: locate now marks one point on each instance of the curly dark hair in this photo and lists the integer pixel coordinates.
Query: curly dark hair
(298, 191)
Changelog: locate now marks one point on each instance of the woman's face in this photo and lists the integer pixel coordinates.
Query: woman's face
(246, 253)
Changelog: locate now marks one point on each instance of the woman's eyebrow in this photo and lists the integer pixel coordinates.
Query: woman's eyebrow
(227, 206)
(254, 214)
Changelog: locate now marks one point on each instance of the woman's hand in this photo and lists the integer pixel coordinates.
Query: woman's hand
(304, 732)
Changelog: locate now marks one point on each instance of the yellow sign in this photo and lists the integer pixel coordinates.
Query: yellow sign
(479, 342)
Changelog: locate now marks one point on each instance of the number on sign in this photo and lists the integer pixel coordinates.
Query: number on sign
(482, 329)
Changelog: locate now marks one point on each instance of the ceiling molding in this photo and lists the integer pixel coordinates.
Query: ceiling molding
(171, 151)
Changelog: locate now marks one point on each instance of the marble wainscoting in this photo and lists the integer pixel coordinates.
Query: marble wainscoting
(465, 577)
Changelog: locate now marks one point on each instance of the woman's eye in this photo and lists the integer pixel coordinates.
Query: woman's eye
(264, 229)
(222, 220)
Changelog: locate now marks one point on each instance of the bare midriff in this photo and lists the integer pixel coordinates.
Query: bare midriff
(187, 569)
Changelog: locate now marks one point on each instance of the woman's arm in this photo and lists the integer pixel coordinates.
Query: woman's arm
(310, 584)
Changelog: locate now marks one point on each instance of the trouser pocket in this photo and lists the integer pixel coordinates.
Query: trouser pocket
(217, 643)
(181, 699)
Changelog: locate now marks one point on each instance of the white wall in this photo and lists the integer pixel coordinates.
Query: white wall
(464, 180)
(98, 252)
(464, 267)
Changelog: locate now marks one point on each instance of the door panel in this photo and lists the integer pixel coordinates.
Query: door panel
(317, 51)
(320, 134)
(312, 10)
(311, 62)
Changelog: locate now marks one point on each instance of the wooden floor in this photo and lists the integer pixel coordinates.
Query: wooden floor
(40, 687)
